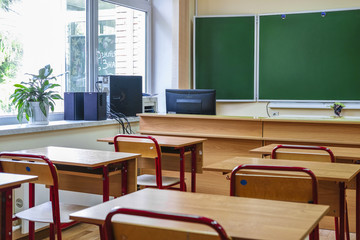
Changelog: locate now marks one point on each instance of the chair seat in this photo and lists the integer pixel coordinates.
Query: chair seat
(43, 212)
(150, 180)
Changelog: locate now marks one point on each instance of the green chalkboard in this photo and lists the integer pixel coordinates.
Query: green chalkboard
(224, 56)
(310, 56)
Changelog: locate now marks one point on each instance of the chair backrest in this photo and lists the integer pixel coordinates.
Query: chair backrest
(275, 183)
(310, 155)
(41, 166)
(114, 230)
(147, 146)
(29, 164)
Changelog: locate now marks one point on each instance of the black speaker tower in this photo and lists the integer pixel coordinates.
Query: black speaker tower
(124, 94)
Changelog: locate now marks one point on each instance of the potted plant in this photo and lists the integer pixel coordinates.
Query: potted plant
(337, 107)
(34, 98)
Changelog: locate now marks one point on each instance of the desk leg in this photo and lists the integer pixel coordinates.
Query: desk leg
(357, 202)
(193, 168)
(182, 169)
(6, 214)
(105, 183)
(342, 210)
(102, 232)
(124, 178)
(32, 204)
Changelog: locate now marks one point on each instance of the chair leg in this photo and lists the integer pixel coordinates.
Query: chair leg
(336, 228)
(52, 232)
(314, 235)
(58, 231)
(347, 221)
(102, 232)
(31, 230)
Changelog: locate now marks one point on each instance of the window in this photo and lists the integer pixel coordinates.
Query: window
(75, 57)
(31, 36)
(121, 41)
(82, 38)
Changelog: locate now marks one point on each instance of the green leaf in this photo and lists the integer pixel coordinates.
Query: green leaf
(52, 107)
(19, 86)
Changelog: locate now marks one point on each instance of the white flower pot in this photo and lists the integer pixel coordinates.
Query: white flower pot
(38, 118)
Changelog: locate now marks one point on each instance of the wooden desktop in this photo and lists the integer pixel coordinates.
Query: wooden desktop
(231, 136)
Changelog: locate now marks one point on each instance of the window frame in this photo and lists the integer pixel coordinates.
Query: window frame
(92, 38)
(91, 45)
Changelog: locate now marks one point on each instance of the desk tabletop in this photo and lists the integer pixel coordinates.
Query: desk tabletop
(164, 141)
(243, 218)
(339, 152)
(9, 179)
(79, 157)
(341, 172)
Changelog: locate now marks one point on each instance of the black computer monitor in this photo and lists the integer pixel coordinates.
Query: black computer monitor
(191, 101)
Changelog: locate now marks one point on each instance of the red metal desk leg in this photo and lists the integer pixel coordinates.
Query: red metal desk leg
(102, 232)
(193, 169)
(105, 183)
(342, 210)
(182, 169)
(358, 206)
(6, 213)
(31, 204)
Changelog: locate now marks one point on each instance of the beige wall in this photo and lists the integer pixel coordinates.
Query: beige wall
(229, 7)
(77, 138)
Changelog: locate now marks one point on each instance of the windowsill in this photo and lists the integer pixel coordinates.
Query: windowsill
(56, 125)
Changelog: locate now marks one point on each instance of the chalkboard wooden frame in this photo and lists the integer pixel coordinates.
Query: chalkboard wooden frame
(249, 85)
(348, 96)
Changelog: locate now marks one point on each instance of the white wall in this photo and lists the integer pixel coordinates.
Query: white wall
(164, 49)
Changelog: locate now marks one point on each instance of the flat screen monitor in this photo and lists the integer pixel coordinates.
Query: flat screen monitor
(191, 101)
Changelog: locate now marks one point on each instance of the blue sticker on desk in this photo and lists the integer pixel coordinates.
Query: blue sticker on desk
(243, 182)
(28, 169)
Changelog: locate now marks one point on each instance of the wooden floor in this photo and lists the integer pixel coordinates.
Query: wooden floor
(91, 232)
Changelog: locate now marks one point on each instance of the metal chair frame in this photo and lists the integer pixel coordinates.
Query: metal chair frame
(315, 233)
(158, 171)
(333, 159)
(54, 195)
(164, 215)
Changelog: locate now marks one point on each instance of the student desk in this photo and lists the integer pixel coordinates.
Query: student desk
(242, 218)
(8, 182)
(84, 170)
(232, 136)
(342, 154)
(171, 148)
(326, 173)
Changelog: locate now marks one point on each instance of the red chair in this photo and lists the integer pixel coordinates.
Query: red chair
(52, 212)
(316, 158)
(301, 155)
(275, 186)
(113, 229)
(148, 147)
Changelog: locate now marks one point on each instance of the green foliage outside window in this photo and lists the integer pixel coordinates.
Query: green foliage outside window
(10, 55)
(5, 4)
